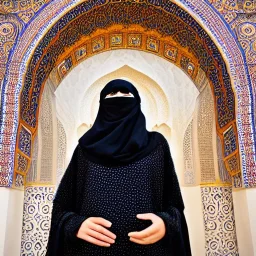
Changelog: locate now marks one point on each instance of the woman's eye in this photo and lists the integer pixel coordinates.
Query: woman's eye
(112, 93)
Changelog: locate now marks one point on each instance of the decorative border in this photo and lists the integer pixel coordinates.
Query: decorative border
(135, 41)
(50, 14)
(225, 39)
(219, 221)
(36, 219)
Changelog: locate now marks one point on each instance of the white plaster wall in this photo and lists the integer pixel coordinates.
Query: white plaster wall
(194, 217)
(11, 214)
(245, 217)
(4, 196)
(251, 200)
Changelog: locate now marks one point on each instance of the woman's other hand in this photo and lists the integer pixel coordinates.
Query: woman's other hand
(151, 234)
(92, 230)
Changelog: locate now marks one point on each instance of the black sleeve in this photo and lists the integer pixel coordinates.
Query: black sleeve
(176, 237)
(65, 222)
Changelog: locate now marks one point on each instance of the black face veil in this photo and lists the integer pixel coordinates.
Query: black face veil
(119, 133)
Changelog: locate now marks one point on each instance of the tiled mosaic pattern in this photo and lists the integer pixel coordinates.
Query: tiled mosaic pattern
(62, 144)
(189, 172)
(19, 181)
(243, 80)
(46, 137)
(195, 39)
(229, 141)
(9, 112)
(31, 176)
(219, 221)
(232, 9)
(25, 141)
(22, 163)
(205, 133)
(10, 28)
(30, 115)
(36, 220)
(204, 12)
(223, 173)
(25, 10)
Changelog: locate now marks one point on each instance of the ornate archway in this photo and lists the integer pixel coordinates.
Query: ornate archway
(162, 28)
(72, 28)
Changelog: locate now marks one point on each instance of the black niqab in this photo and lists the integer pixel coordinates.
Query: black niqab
(119, 133)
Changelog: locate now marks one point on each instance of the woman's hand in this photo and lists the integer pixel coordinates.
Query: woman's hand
(92, 231)
(151, 234)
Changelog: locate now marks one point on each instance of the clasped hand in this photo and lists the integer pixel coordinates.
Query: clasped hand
(93, 230)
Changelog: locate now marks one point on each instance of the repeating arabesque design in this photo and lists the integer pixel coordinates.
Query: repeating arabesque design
(186, 35)
(36, 219)
(248, 172)
(205, 135)
(219, 221)
(189, 170)
(243, 82)
(10, 28)
(108, 13)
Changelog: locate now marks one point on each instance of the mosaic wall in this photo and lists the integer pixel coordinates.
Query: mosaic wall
(205, 133)
(219, 221)
(193, 38)
(133, 40)
(189, 172)
(36, 220)
(41, 169)
(10, 28)
(62, 141)
(14, 15)
(46, 136)
(232, 9)
(186, 38)
(223, 173)
(25, 10)
(31, 176)
(243, 77)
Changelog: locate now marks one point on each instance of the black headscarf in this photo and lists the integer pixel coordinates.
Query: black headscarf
(119, 133)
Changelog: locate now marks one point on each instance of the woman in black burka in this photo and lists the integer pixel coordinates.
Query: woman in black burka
(120, 194)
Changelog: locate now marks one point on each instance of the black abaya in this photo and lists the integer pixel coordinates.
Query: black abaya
(118, 194)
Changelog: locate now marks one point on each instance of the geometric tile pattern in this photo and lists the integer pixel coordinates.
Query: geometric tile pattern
(205, 136)
(10, 28)
(25, 141)
(223, 173)
(233, 165)
(201, 9)
(244, 83)
(19, 181)
(9, 113)
(36, 220)
(229, 141)
(22, 163)
(25, 10)
(189, 170)
(219, 221)
(195, 39)
(237, 181)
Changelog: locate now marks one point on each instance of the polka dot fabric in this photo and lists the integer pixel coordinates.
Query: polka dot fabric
(118, 194)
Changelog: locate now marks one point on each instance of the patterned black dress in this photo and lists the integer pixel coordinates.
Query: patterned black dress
(118, 194)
